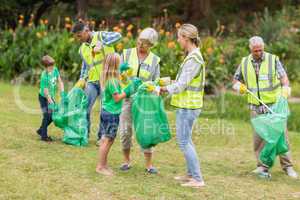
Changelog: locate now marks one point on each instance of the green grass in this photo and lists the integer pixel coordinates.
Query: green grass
(31, 169)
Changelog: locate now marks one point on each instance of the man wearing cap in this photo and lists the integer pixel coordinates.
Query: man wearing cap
(264, 75)
(94, 47)
(144, 64)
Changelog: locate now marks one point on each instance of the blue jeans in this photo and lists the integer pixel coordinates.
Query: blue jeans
(92, 91)
(185, 119)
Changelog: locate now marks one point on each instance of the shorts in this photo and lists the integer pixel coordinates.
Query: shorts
(109, 124)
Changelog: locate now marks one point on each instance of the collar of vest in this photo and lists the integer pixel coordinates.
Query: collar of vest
(148, 60)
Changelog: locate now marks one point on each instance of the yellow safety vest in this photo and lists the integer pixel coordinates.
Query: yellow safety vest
(268, 85)
(94, 63)
(192, 96)
(130, 56)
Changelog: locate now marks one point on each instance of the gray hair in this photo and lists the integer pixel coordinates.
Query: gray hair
(256, 40)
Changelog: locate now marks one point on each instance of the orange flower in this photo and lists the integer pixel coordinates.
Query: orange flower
(209, 50)
(119, 47)
(129, 27)
(161, 31)
(171, 45)
(177, 25)
(116, 28)
(68, 26)
(129, 34)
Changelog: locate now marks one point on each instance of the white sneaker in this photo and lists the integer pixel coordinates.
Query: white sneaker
(291, 172)
(259, 170)
(184, 178)
(193, 183)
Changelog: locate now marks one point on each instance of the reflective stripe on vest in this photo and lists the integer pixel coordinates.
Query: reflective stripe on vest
(192, 96)
(269, 85)
(94, 64)
(151, 60)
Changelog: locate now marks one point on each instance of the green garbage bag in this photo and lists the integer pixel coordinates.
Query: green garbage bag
(271, 128)
(149, 118)
(71, 118)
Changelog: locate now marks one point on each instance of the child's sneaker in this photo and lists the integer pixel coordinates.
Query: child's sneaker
(47, 139)
(152, 170)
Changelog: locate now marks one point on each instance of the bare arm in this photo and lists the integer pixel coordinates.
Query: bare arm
(118, 97)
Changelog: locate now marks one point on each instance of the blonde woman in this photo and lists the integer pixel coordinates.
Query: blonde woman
(187, 96)
(111, 109)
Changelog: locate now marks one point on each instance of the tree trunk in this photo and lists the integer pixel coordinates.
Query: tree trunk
(82, 7)
(197, 9)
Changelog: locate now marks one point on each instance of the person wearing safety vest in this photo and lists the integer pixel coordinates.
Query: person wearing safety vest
(94, 47)
(144, 65)
(264, 75)
(187, 96)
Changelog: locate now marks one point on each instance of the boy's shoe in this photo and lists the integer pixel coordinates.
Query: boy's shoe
(47, 139)
(39, 132)
(184, 178)
(259, 170)
(193, 183)
(152, 170)
(264, 175)
(125, 167)
(291, 172)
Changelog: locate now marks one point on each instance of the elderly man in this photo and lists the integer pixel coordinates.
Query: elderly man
(263, 74)
(144, 64)
(94, 47)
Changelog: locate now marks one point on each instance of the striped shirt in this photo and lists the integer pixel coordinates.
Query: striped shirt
(108, 38)
(256, 64)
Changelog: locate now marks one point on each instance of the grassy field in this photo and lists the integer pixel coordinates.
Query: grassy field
(31, 169)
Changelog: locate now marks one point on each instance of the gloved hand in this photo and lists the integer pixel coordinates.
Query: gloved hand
(163, 81)
(286, 91)
(63, 96)
(53, 107)
(80, 84)
(240, 87)
(136, 82)
(132, 86)
(124, 67)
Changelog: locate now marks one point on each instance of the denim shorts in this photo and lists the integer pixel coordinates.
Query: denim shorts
(109, 124)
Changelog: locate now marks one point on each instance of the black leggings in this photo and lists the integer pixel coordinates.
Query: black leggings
(47, 116)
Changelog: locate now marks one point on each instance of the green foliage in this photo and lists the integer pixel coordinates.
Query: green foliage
(23, 49)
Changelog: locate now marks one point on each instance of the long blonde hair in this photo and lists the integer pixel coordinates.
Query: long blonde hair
(190, 31)
(110, 68)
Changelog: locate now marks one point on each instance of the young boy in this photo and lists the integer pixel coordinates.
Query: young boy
(48, 87)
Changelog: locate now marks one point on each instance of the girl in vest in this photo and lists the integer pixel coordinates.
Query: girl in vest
(111, 108)
(187, 97)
